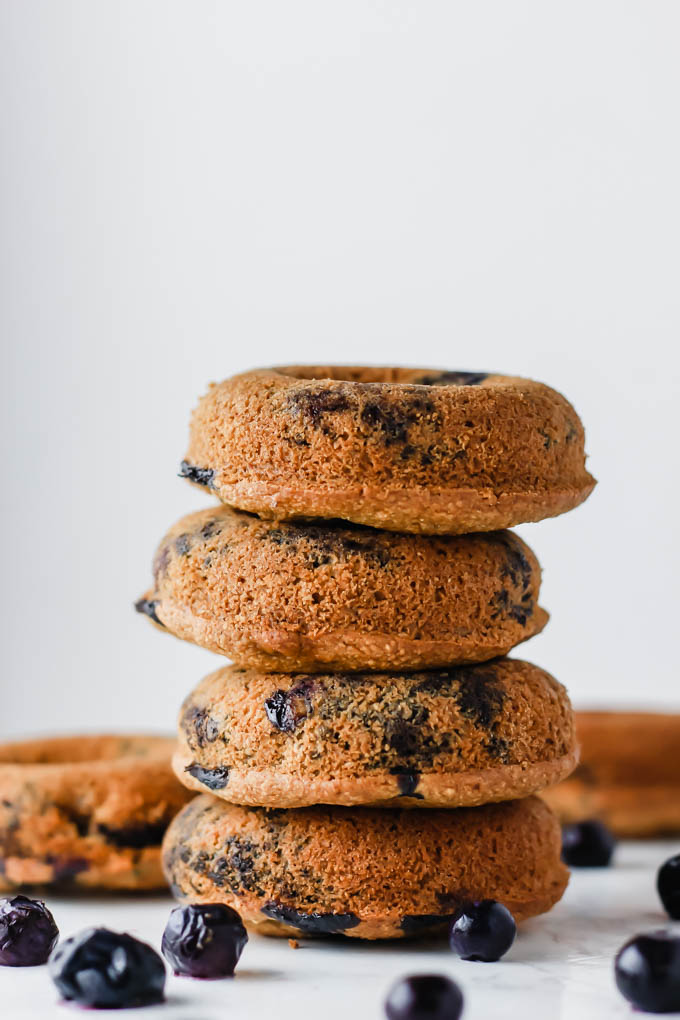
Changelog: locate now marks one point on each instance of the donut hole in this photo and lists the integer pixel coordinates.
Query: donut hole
(382, 374)
(71, 750)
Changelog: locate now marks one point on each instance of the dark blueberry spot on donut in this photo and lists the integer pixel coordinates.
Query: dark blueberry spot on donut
(287, 709)
(517, 567)
(235, 869)
(242, 855)
(313, 403)
(160, 564)
(210, 529)
(393, 421)
(520, 614)
(80, 821)
(393, 424)
(452, 379)
(405, 736)
(135, 836)
(148, 607)
(199, 726)
(328, 540)
(547, 438)
(214, 779)
(182, 545)
(499, 748)
(310, 924)
(65, 869)
(408, 784)
(419, 924)
(197, 475)
(480, 698)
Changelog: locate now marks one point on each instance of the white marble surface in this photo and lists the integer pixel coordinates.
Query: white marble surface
(560, 967)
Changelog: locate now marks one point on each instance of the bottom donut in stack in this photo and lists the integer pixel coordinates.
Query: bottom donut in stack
(364, 872)
(313, 822)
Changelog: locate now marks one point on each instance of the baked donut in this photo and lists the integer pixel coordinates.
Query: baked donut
(404, 449)
(86, 811)
(331, 595)
(363, 872)
(629, 775)
(491, 732)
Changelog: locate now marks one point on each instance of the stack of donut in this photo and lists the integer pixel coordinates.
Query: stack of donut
(370, 760)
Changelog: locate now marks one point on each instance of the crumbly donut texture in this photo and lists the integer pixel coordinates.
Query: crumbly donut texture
(629, 776)
(363, 872)
(403, 449)
(331, 595)
(472, 735)
(86, 811)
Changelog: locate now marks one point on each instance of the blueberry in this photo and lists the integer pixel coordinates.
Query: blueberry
(107, 970)
(204, 940)
(668, 886)
(424, 997)
(647, 972)
(482, 930)
(27, 932)
(587, 845)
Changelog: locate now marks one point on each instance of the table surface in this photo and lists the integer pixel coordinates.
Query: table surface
(560, 967)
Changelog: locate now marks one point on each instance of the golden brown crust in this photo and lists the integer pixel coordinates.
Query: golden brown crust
(400, 449)
(362, 872)
(628, 776)
(86, 811)
(469, 736)
(328, 595)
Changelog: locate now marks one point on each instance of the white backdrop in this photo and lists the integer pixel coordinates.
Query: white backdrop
(192, 188)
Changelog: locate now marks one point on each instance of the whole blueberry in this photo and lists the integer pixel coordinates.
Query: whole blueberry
(424, 997)
(108, 970)
(482, 930)
(587, 845)
(204, 940)
(647, 972)
(668, 886)
(27, 932)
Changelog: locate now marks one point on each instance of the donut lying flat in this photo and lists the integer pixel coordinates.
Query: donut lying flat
(398, 448)
(363, 872)
(86, 811)
(329, 595)
(629, 776)
(469, 736)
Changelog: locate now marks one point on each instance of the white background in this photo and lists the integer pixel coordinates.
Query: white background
(189, 189)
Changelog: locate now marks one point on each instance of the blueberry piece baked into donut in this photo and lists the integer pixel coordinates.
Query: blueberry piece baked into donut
(86, 811)
(402, 449)
(628, 774)
(363, 872)
(333, 595)
(466, 736)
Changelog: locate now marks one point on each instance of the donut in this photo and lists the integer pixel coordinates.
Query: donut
(490, 732)
(629, 775)
(403, 449)
(321, 595)
(86, 811)
(363, 872)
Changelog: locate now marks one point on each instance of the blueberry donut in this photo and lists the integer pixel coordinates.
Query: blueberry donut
(86, 811)
(331, 595)
(491, 732)
(404, 449)
(629, 775)
(363, 872)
